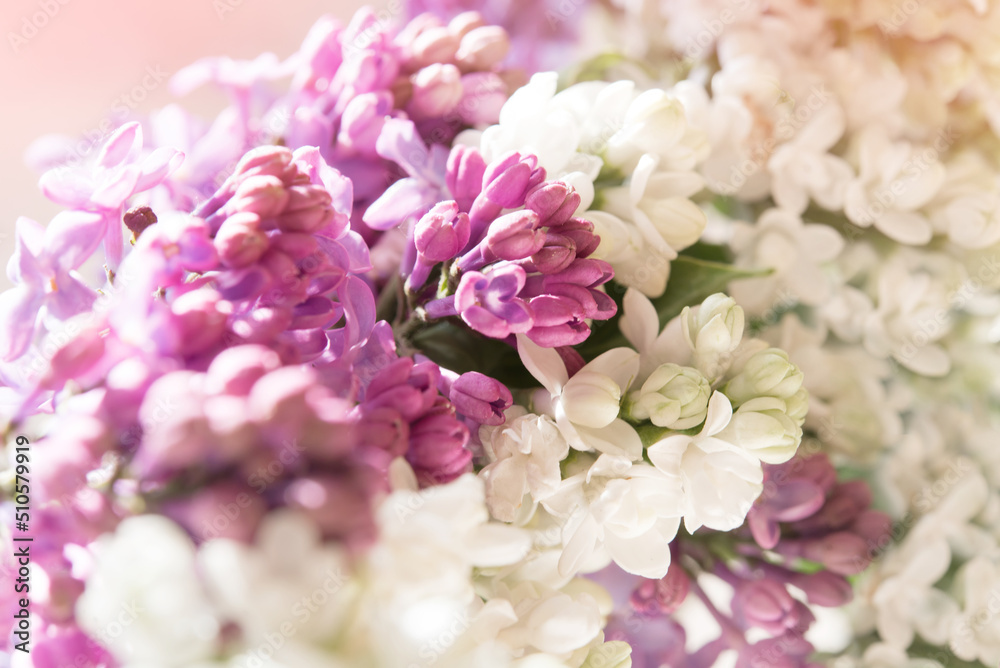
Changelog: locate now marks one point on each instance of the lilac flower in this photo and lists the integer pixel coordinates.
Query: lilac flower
(480, 398)
(489, 303)
(43, 271)
(103, 188)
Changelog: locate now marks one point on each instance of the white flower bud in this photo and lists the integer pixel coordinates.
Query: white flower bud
(592, 399)
(763, 427)
(713, 330)
(768, 373)
(673, 396)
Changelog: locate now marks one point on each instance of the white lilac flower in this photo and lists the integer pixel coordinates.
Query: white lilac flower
(803, 169)
(975, 634)
(612, 509)
(586, 407)
(720, 480)
(795, 252)
(967, 208)
(525, 453)
(895, 180)
(146, 573)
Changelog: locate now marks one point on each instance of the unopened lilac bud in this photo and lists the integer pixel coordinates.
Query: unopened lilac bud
(363, 120)
(844, 505)
(272, 160)
(557, 254)
(765, 604)
(235, 370)
(437, 448)
(713, 330)
(554, 202)
(767, 373)
(582, 233)
(515, 235)
(263, 194)
(434, 45)
(823, 588)
(507, 179)
(673, 396)
(201, 320)
(842, 552)
(480, 398)
(762, 427)
(483, 48)
(875, 527)
(240, 240)
(592, 399)
(437, 90)
(315, 312)
(442, 232)
(309, 209)
(465, 22)
(464, 177)
(654, 598)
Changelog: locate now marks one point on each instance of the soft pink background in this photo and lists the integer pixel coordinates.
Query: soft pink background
(68, 76)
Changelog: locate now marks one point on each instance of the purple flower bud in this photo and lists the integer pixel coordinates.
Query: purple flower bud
(554, 202)
(823, 588)
(235, 370)
(581, 232)
(482, 48)
(515, 236)
(507, 179)
(288, 287)
(842, 552)
(489, 303)
(309, 209)
(240, 240)
(465, 22)
(844, 504)
(263, 194)
(437, 447)
(442, 232)
(435, 44)
(410, 389)
(73, 359)
(362, 122)
(556, 255)
(437, 90)
(480, 398)
(265, 160)
(315, 312)
(464, 176)
(765, 604)
(662, 597)
(383, 428)
(875, 527)
(201, 320)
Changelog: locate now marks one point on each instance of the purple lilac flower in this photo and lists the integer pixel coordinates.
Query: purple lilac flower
(542, 34)
(119, 172)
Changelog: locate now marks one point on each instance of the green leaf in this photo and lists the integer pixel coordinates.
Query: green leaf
(452, 345)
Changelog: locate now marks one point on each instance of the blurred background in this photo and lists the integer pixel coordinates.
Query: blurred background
(71, 66)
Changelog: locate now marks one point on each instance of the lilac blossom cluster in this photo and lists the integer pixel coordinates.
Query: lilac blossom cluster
(804, 536)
